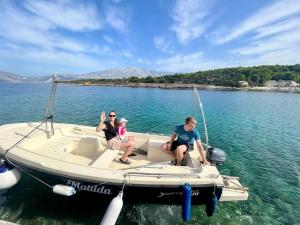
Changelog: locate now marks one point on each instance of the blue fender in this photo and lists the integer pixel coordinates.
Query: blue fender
(211, 205)
(186, 202)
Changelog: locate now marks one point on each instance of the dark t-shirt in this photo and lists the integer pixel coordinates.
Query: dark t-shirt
(110, 131)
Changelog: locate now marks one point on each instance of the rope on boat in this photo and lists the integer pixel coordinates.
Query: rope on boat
(47, 118)
(125, 180)
(238, 186)
(5, 158)
(49, 109)
(159, 175)
(28, 173)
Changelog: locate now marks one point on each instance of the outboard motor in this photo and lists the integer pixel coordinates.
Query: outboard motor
(216, 156)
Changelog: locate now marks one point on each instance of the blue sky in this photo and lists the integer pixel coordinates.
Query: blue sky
(42, 37)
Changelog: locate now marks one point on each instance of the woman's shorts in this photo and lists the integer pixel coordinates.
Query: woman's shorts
(114, 143)
(175, 144)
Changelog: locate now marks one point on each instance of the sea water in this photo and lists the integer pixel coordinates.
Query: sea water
(259, 131)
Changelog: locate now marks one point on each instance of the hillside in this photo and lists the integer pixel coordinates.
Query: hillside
(228, 77)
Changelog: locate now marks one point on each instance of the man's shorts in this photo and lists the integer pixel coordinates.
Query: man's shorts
(175, 144)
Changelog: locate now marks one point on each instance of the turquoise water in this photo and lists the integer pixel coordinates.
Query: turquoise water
(260, 132)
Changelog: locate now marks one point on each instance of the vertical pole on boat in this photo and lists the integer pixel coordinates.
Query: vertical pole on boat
(49, 109)
(203, 116)
(195, 102)
(186, 202)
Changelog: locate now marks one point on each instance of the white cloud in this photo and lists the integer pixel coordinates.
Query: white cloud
(268, 15)
(66, 14)
(282, 26)
(286, 56)
(186, 63)
(282, 41)
(53, 59)
(190, 18)
(30, 37)
(273, 36)
(283, 48)
(20, 27)
(163, 45)
(117, 18)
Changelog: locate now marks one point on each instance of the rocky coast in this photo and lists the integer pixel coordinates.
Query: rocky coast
(189, 86)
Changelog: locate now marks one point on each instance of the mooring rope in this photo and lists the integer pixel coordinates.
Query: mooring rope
(28, 173)
(125, 179)
(4, 157)
(7, 150)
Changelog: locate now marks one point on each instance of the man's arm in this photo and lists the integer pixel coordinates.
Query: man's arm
(202, 152)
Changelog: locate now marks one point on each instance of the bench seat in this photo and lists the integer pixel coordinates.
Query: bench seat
(105, 159)
(155, 154)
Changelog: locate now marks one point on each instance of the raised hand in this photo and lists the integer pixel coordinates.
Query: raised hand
(102, 117)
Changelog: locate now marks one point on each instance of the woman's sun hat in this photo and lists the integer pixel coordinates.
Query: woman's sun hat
(123, 120)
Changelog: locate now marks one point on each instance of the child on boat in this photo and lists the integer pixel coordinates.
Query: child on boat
(122, 131)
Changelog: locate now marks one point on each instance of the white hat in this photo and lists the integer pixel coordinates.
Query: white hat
(123, 120)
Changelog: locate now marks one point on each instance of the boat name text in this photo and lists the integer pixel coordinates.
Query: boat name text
(194, 193)
(98, 188)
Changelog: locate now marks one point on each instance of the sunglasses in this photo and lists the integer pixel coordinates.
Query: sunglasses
(112, 115)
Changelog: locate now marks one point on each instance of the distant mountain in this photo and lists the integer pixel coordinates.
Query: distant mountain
(122, 73)
(10, 77)
(109, 74)
(7, 77)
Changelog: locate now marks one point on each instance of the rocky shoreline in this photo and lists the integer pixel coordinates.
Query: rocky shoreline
(190, 86)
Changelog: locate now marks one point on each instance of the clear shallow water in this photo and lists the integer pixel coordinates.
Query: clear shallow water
(259, 131)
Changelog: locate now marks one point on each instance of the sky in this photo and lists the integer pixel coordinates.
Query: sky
(73, 36)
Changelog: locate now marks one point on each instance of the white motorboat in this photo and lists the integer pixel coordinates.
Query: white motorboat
(77, 156)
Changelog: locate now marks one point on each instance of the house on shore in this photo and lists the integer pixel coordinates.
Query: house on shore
(243, 83)
(281, 83)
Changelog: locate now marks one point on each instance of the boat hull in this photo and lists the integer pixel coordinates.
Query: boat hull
(160, 194)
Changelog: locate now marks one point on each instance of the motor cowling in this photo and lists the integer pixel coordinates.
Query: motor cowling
(216, 156)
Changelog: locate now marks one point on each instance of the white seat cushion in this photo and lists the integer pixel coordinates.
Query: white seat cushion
(155, 154)
(105, 159)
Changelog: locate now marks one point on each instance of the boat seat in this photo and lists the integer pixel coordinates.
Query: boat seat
(154, 152)
(85, 146)
(105, 159)
(193, 158)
